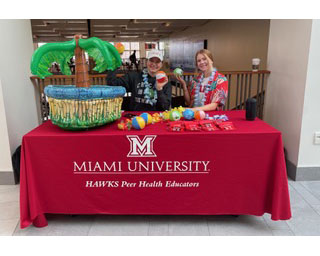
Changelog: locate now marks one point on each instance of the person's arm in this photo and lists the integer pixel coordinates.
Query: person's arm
(219, 98)
(208, 107)
(221, 92)
(186, 92)
(164, 95)
(124, 81)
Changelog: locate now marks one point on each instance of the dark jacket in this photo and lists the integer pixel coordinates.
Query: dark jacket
(133, 83)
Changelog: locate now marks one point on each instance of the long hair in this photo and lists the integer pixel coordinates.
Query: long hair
(206, 53)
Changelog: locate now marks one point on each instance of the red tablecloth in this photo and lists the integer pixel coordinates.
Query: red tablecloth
(106, 171)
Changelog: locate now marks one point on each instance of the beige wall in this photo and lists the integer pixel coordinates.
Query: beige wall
(17, 101)
(233, 42)
(289, 46)
(18, 92)
(5, 156)
(309, 153)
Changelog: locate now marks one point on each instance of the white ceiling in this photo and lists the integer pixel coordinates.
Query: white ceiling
(50, 30)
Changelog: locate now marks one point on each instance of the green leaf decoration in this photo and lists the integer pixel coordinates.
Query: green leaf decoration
(103, 53)
(45, 55)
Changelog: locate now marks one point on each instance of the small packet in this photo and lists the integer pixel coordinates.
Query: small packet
(176, 126)
(192, 126)
(226, 126)
(208, 126)
(217, 122)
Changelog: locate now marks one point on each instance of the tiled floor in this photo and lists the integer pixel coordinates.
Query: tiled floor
(305, 205)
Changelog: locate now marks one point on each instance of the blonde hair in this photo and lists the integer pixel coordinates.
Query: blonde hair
(204, 52)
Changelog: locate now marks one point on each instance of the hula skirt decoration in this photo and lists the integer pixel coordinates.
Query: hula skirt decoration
(77, 108)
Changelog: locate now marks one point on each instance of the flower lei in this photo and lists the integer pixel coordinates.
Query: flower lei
(197, 101)
(150, 94)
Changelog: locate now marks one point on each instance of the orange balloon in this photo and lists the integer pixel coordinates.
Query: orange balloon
(119, 47)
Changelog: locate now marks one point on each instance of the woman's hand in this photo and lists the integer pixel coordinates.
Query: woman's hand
(180, 79)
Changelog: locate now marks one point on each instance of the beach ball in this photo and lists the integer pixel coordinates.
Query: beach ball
(178, 72)
(119, 47)
(161, 76)
(138, 123)
(199, 115)
(174, 115)
(188, 114)
(147, 118)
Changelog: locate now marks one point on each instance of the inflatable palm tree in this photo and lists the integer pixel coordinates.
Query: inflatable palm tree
(80, 106)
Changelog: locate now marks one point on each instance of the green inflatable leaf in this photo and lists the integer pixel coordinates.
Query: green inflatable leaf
(45, 55)
(103, 53)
